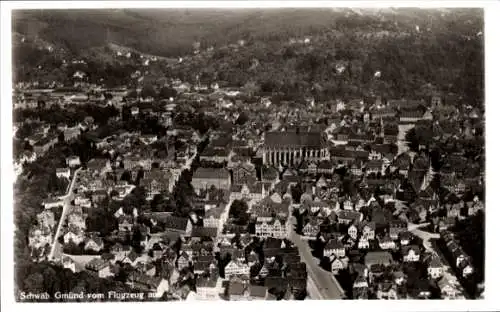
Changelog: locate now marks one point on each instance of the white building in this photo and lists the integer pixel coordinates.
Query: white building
(271, 228)
(73, 161)
(63, 173)
(234, 268)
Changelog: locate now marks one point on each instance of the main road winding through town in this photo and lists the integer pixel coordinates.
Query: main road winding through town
(321, 284)
(66, 205)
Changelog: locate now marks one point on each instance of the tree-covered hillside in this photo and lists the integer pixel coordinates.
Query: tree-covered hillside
(414, 51)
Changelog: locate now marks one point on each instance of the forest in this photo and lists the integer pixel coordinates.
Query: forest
(416, 52)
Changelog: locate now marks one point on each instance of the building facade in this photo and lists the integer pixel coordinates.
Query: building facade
(292, 147)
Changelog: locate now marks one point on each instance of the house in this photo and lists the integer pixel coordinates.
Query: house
(336, 264)
(131, 258)
(69, 263)
(474, 206)
(119, 250)
(352, 231)
(74, 235)
(383, 112)
(63, 173)
(325, 166)
(154, 286)
(125, 223)
(211, 154)
(148, 138)
(334, 247)
(27, 157)
(148, 268)
(98, 166)
(203, 233)
(422, 289)
(399, 277)
(234, 268)
(402, 162)
(256, 292)
(378, 257)
(435, 268)
(396, 227)
(212, 217)
(73, 161)
(368, 230)
(269, 175)
(311, 229)
(243, 173)
(71, 133)
(348, 217)
(204, 178)
(361, 293)
(357, 168)
(405, 238)
(94, 244)
(178, 225)
(410, 253)
(360, 282)
(156, 182)
(157, 250)
(363, 243)
(208, 287)
(348, 204)
(408, 115)
(183, 260)
(46, 219)
(39, 236)
(99, 195)
(42, 146)
(237, 291)
(374, 167)
(449, 288)
(255, 191)
(466, 268)
(201, 266)
(99, 268)
(134, 111)
(275, 227)
(386, 242)
(386, 291)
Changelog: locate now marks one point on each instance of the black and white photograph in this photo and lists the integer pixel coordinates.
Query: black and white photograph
(244, 154)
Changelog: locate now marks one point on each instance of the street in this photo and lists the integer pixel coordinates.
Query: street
(223, 218)
(447, 270)
(67, 204)
(325, 286)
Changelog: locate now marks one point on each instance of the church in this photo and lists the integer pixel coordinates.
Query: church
(291, 147)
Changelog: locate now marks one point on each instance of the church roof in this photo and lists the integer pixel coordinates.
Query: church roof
(294, 139)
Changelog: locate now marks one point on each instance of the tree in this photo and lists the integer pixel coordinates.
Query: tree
(242, 119)
(471, 235)
(101, 221)
(56, 184)
(113, 193)
(157, 203)
(238, 211)
(148, 91)
(297, 191)
(137, 237)
(34, 283)
(108, 96)
(27, 146)
(60, 137)
(132, 94)
(167, 92)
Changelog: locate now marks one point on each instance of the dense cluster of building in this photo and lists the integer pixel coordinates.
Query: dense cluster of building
(342, 167)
